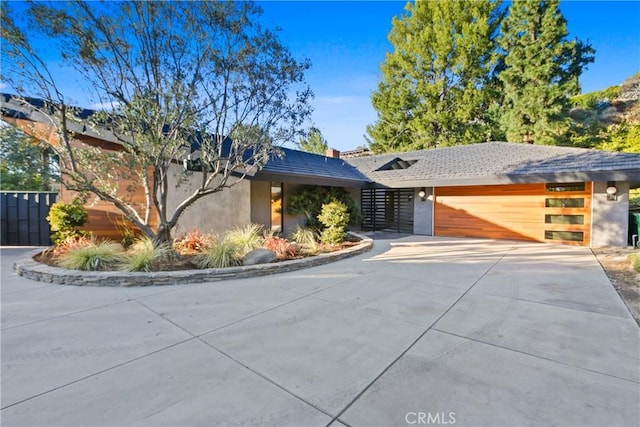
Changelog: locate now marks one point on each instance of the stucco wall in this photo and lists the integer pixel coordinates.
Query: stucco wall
(610, 219)
(261, 203)
(215, 213)
(423, 212)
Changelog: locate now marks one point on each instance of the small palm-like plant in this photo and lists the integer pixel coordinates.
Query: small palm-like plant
(222, 254)
(306, 238)
(94, 256)
(143, 255)
(245, 239)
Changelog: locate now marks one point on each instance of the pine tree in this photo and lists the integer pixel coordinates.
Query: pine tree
(541, 72)
(314, 142)
(435, 84)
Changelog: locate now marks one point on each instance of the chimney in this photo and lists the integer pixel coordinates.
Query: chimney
(332, 152)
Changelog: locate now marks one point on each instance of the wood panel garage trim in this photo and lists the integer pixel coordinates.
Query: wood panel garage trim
(514, 212)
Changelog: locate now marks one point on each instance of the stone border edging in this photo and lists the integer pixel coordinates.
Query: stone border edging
(31, 269)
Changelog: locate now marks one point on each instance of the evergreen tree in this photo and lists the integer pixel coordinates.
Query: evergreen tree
(25, 163)
(541, 72)
(435, 84)
(314, 142)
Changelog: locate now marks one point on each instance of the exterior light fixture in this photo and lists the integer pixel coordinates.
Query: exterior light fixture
(612, 191)
(422, 194)
(186, 163)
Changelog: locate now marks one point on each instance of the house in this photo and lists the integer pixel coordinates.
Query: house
(490, 190)
(258, 199)
(503, 191)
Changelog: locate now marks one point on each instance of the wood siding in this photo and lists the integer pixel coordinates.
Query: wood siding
(104, 219)
(514, 212)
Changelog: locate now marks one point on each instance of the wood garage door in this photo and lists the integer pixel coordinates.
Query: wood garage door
(551, 212)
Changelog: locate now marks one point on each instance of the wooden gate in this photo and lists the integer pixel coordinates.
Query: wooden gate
(387, 209)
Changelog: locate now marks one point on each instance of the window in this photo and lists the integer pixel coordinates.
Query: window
(567, 186)
(564, 203)
(568, 236)
(397, 164)
(276, 207)
(564, 219)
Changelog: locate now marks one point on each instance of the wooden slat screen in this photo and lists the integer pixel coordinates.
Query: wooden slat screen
(387, 209)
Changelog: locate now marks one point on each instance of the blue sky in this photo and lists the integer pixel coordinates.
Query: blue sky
(346, 42)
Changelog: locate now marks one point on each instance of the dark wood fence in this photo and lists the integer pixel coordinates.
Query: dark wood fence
(23, 218)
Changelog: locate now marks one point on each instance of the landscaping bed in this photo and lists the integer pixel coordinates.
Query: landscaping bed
(32, 269)
(622, 275)
(180, 262)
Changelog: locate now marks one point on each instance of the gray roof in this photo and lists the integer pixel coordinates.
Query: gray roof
(500, 163)
(308, 168)
(36, 110)
(476, 164)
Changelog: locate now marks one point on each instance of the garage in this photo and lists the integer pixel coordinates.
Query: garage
(543, 212)
(502, 190)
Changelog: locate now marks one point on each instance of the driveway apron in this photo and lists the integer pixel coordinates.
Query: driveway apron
(420, 330)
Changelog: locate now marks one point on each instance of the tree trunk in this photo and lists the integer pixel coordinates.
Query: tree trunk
(163, 236)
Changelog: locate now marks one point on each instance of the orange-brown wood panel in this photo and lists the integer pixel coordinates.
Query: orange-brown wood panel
(104, 219)
(515, 212)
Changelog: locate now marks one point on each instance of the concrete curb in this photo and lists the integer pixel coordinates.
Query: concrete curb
(31, 269)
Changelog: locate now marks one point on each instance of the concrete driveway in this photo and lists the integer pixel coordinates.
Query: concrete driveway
(418, 331)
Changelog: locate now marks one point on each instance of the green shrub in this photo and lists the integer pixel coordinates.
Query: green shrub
(65, 218)
(333, 235)
(308, 201)
(634, 197)
(335, 218)
(126, 230)
(220, 255)
(95, 256)
(591, 99)
(245, 239)
(143, 255)
(306, 238)
(634, 259)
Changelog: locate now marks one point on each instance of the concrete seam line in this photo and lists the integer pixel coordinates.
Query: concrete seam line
(393, 362)
(264, 377)
(269, 309)
(301, 297)
(96, 373)
(548, 304)
(166, 319)
(536, 356)
(128, 299)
